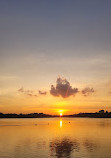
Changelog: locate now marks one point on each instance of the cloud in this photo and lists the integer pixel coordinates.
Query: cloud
(21, 90)
(31, 95)
(42, 93)
(87, 91)
(63, 88)
(27, 92)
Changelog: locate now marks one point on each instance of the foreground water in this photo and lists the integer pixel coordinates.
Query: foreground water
(55, 138)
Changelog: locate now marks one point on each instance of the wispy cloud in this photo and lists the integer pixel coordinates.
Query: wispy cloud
(42, 92)
(2, 78)
(27, 92)
(87, 91)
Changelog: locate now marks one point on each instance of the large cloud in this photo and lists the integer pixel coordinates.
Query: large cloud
(63, 88)
(87, 91)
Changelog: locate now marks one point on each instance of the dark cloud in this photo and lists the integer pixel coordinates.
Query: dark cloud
(27, 92)
(63, 88)
(42, 93)
(87, 91)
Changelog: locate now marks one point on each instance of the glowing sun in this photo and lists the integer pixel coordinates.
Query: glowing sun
(60, 114)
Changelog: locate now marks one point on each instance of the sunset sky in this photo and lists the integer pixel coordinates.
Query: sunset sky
(55, 55)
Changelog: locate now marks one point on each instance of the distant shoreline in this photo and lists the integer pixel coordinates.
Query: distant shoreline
(100, 114)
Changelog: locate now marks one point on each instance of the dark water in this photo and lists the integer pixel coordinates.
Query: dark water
(55, 138)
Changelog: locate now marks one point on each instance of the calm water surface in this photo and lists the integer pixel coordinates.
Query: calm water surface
(55, 138)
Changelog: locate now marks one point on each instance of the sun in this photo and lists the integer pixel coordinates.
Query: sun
(60, 114)
(60, 111)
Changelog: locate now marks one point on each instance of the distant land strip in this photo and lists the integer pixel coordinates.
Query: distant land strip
(100, 114)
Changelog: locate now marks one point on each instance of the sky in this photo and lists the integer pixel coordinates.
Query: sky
(55, 55)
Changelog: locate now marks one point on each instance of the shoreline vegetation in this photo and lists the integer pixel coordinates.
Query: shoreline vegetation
(99, 114)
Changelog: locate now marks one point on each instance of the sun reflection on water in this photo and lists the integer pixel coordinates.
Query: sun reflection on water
(60, 123)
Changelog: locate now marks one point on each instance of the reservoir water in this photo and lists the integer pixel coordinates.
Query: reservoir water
(55, 138)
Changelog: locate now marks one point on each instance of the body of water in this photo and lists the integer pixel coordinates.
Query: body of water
(55, 138)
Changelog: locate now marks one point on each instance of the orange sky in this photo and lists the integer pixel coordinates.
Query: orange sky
(16, 101)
